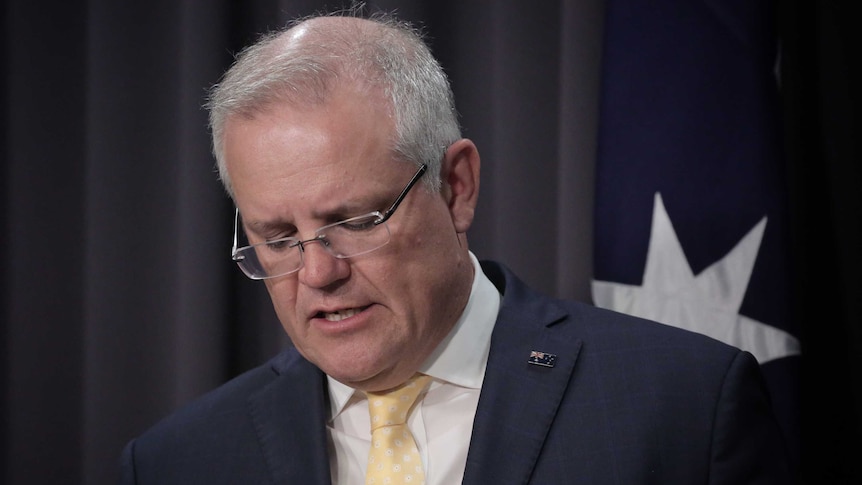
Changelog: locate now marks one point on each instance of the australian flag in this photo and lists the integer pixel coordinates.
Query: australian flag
(691, 215)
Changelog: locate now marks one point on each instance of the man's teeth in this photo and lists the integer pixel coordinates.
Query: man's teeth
(341, 314)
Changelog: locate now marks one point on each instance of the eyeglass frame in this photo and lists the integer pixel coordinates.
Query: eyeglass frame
(322, 237)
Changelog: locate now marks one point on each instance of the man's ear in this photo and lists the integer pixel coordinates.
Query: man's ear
(460, 176)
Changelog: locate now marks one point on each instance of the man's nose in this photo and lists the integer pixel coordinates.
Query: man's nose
(320, 267)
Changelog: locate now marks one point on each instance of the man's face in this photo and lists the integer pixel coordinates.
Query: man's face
(368, 321)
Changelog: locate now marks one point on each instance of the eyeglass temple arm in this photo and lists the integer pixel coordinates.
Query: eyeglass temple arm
(235, 229)
(391, 209)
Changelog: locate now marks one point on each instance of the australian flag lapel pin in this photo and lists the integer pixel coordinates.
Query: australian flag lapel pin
(543, 359)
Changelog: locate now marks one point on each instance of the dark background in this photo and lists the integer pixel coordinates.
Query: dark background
(119, 301)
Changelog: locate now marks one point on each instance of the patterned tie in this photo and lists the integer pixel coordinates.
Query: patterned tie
(394, 458)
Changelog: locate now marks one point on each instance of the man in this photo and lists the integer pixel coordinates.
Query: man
(338, 141)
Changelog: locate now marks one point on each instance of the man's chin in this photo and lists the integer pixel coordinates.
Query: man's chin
(371, 380)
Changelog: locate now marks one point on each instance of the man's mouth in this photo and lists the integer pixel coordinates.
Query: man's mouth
(340, 314)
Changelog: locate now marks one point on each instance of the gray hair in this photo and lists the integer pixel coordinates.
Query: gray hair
(303, 63)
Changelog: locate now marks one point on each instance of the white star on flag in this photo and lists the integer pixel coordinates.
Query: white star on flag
(707, 303)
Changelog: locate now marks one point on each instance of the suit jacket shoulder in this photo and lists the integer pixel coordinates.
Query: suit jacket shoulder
(264, 426)
(622, 400)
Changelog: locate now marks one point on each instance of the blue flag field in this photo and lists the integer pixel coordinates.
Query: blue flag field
(691, 210)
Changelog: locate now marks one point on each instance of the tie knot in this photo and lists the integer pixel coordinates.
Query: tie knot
(390, 408)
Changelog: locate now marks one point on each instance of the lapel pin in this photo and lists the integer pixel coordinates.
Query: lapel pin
(543, 359)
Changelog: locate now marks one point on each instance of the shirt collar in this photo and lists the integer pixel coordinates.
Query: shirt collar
(461, 357)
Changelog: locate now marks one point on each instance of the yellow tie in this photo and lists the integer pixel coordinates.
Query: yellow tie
(394, 458)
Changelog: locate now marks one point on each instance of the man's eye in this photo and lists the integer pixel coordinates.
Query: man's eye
(281, 244)
(363, 224)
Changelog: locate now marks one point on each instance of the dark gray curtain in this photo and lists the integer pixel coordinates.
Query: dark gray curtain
(119, 301)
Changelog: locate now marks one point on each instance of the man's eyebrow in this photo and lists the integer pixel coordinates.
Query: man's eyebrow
(353, 207)
(266, 227)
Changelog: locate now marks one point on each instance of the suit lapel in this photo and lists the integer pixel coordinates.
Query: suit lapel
(290, 419)
(519, 400)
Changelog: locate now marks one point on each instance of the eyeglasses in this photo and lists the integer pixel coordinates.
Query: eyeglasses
(344, 239)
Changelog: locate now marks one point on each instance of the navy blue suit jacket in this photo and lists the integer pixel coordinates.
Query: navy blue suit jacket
(627, 402)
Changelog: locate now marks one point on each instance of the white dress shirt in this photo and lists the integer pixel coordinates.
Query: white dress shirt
(442, 421)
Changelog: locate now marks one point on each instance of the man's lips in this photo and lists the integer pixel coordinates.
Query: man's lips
(339, 315)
